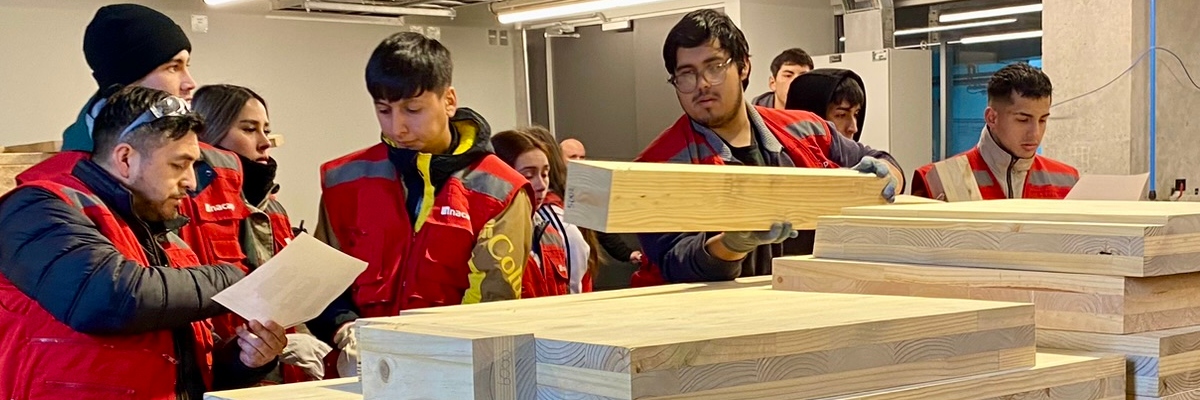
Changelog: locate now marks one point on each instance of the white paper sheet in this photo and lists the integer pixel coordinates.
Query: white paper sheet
(295, 285)
(1109, 187)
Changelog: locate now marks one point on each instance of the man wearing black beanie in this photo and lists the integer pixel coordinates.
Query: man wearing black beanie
(129, 44)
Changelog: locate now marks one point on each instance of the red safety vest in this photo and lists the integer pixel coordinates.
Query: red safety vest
(58, 164)
(43, 358)
(1047, 178)
(804, 136)
(217, 211)
(547, 273)
(364, 205)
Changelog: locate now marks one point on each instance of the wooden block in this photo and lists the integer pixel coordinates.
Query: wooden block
(1180, 216)
(738, 343)
(333, 389)
(1159, 364)
(621, 197)
(440, 362)
(53, 146)
(1098, 248)
(1058, 375)
(762, 282)
(910, 199)
(957, 180)
(13, 164)
(1193, 395)
(1090, 303)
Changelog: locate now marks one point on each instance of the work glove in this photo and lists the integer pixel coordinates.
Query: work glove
(872, 165)
(307, 353)
(347, 341)
(745, 242)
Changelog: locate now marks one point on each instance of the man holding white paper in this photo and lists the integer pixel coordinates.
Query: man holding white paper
(98, 296)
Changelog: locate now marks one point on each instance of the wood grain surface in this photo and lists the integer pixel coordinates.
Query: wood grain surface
(1159, 364)
(621, 197)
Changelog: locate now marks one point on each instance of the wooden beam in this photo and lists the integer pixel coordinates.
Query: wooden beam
(1101, 248)
(733, 344)
(1181, 215)
(1057, 375)
(761, 282)
(333, 389)
(440, 362)
(623, 197)
(13, 164)
(53, 146)
(957, 180)
(1091, 303)
(1159, 364)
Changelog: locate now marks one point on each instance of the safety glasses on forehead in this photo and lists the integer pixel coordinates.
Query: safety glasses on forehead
(170, 106)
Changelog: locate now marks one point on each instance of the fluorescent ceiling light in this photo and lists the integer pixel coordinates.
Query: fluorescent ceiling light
(941, 28)
(995, 12)
(345, 7)
(344, 19)
(1002, 37)
(585, 7)
(218, 2)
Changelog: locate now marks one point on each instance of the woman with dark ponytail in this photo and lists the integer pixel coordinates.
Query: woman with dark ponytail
(238, 122)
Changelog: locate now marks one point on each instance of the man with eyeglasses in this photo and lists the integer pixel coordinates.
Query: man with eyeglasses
(709, 61)
(100, 298)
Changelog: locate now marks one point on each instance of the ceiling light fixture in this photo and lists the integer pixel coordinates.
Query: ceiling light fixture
(942, 28)
(587, 7)
(995, 12)
(1002, 37)
(386, 10)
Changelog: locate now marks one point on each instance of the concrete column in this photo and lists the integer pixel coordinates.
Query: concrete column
(1178, 98)
(1086, 44)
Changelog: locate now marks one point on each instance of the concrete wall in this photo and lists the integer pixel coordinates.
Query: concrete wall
(1089, 43)
(1178, 97)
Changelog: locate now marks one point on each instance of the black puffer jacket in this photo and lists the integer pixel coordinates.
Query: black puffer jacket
(86, 283)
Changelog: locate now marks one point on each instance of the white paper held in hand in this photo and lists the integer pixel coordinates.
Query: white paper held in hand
(295, 285)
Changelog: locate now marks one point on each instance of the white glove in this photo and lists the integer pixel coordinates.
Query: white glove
(308, 353)
(347, 342)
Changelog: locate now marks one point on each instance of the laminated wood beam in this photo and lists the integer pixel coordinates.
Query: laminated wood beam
(623, 197)
(1090, 303)
(740, 343)
(1161, 364)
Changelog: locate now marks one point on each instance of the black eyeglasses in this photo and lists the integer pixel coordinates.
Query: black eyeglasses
(689, 81)
(167, 107)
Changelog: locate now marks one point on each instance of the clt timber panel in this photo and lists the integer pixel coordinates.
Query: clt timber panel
(726, 344)
(1160, 364)
(333, 389)
(1114, 244)
(1090, 303)
(623, 197)
(1058, 375)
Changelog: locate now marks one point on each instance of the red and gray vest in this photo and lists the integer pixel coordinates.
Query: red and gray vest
(804, 137)
(364, 201)
(45, 359)
(1046, 179)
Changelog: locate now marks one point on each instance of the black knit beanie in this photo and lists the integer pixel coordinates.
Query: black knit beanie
(126, 42)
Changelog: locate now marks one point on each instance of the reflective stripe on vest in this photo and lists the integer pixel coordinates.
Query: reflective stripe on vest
(360, 169)
(220, 159)
(1048, 178)
(487, 183)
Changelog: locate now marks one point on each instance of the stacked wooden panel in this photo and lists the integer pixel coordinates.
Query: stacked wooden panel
(1111, 273)
(724, 344)
(624, 197)
(18, 158)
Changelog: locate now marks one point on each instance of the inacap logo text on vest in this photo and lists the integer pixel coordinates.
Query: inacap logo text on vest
(446, 210)
(219, 207)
